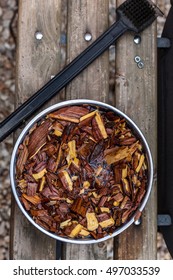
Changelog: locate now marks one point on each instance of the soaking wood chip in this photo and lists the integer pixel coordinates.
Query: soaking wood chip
(81, 172)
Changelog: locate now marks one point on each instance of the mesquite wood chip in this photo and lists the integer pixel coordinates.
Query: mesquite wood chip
(81, 172)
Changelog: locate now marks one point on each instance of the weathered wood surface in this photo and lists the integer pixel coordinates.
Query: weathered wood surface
(93, 83)
(88, 17)
(37, 61)
(136, 96)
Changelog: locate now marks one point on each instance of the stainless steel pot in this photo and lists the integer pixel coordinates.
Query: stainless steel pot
(137, 132)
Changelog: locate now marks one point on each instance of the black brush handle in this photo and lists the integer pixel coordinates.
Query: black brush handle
(61, 79)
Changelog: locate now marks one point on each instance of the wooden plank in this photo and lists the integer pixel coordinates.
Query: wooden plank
(86, 16)
(37, 60)
(136, 96)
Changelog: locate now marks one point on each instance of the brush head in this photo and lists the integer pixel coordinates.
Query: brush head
(138, 14)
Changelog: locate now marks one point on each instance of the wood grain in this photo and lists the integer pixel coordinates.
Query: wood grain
(87, 17)
(136, 96)
(37, 60)
(93, 83)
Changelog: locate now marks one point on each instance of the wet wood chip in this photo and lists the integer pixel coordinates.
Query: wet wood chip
(38, 137)
(22, 158)
(116, 154)
(71, 114)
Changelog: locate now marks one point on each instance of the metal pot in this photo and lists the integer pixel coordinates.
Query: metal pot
(137, 132)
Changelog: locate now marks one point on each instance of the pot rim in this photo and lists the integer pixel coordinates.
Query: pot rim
(72, 103)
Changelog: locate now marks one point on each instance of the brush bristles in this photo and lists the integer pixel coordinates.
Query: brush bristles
(140, 13)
